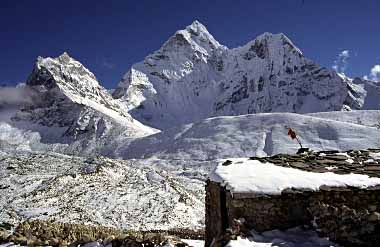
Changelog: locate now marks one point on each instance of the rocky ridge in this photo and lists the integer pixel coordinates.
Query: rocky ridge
(192, 77)
(69, 106)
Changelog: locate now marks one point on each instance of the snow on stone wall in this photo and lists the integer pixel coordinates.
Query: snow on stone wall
(299, 190)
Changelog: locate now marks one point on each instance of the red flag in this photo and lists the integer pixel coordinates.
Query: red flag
(292, 134)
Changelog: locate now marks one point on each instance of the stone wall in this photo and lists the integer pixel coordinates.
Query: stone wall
(214, 210)
(348, 216)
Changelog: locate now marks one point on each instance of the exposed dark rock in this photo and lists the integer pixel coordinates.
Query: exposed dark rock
(39, 233)
(352, 161)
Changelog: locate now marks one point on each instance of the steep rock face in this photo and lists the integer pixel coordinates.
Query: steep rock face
(177, 83)
(69, 106)
(270, 74)
(64, 79)
(192, 77)
(365, 94)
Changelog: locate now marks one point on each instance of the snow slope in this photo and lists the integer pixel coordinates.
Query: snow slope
(295, 237)
(98, 191)
(258, 135)
(192, 77)
(370, 118)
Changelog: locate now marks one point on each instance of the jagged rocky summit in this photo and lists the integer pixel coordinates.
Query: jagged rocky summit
(69, 106)
(192, 77)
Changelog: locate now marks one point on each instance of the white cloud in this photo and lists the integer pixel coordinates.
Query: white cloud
(15, 95)
(341, 62)
(374, 75)
(345, 53)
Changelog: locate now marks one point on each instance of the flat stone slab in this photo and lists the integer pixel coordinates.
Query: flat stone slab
(353, 161)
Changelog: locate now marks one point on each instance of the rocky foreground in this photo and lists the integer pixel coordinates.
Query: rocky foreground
(43, 233)
(99, 191)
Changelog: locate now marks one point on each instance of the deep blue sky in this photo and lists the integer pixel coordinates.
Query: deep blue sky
(109, 36)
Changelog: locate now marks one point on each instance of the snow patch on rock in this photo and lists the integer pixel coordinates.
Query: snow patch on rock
(253, 176)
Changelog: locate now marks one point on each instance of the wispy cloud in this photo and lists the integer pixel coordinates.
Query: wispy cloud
(108, 65)
(104, 62)
(15, 95)
(341, 62)
(374, 75)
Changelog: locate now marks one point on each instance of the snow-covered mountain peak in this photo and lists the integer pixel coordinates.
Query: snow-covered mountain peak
(197, 28)
(195, 38)
(68, 78)
(278, 39)
(66, 58)
(273, 36)
(271, 47)
(68, 99)
(200, 33)
(193, 77)
(187, 52)
(197, 25)
(270, 36)
(63, 70)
